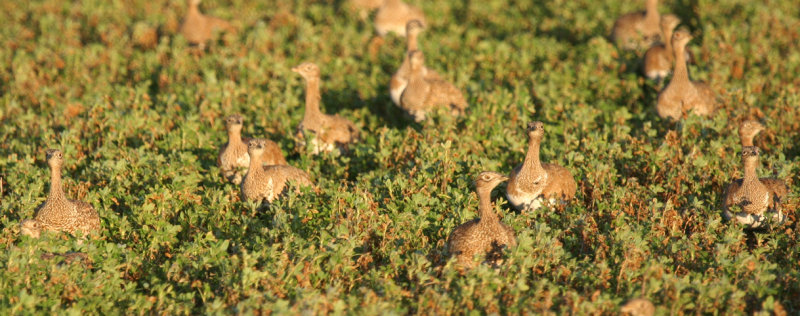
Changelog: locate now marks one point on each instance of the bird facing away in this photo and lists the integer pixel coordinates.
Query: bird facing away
(483, 235)
(393, 15)
(638, 307)
(198, 28)
(58, 213)
(400, 78)
(681, 94)
(330, 131)
(424, 93)
(639, 29)
(658, 59)
(757, 203)
(233, 156)
(266, 183)
(533, 182)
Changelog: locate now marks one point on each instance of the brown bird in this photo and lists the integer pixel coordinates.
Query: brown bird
(659, 58)
(757, 203)
(399, 80)
(58, 213)
(424, 93)
(233, 156)
(639, 29)
(747, 132)
(681, 94)
(533, 182)
(393, 15)
(198, 29)
(266, 183)
(483, 235)
(330, 131)
(638, 307)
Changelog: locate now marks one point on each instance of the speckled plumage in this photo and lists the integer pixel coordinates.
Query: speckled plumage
(266, 183)
(484, 235)
(532, 183)
(423, 92)
(233, 157)
(639, 29)
(328, 131)
(399, 80)
(393, 15)
(198, 28)
(756, 202)
(681, 94)
(58, 213)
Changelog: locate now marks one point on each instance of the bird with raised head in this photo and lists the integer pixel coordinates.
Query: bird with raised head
(266, 183)
(424, 93)
(58, 213)
(485, 235)
(533, 183)
(683, 95)
(328, 131)
(198, 28)
(748, 200)
(233, 157)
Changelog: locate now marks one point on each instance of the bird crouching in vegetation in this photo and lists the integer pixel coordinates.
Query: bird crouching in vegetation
(198, 28)
(424, 93)
(682, 95)
(393, 15)
(328, 131)
(485, 234)
(636, 30)
(233, 156)
(58, 213)
(266, 183)
(750, 200)
(533, 182)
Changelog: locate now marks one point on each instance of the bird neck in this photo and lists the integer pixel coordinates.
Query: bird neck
(651, 11)
(667, 39)
(234, 137)
(56, 191)
(193, 8)
(412, 42)
(681, 71)
(750, 169)
(312, 100)
(485, 210)
(255, 163)
(532, 161)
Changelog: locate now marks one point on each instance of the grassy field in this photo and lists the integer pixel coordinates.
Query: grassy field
(140, 123)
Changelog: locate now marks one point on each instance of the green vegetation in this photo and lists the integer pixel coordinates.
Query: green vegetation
(140, 125)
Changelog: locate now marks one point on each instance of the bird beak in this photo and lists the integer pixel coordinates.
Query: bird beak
(504, 178)
(295, 69)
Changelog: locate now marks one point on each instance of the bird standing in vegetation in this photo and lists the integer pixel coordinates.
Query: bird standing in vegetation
(639, 29)
(533, 182)
(233, 155)
(483, 235)
(266, 183)
(399, 80)
(659, 58)
(423, 92)
(757, 202)
(58, 213)
(198, 28)
(329, 131)
(681, 94)
(393, 15)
